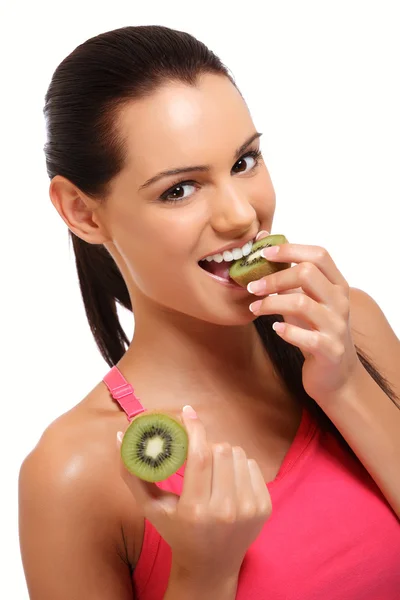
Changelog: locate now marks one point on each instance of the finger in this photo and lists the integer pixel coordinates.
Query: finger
(148, 496)
(261, 492)
(198, 472)
(297, 253)
(223, 492)
(306, 278)
(318, 316)
(314, 342)
(244, 487)
(262, 234)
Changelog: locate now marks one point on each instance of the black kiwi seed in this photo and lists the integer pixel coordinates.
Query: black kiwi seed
(154, 446)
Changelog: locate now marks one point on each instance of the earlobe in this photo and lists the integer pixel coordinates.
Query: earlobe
(76, 210)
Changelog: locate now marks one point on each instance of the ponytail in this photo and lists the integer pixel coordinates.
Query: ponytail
(102, 285)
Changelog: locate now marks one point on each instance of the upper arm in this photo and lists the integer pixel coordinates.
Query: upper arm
(69, 532)
(373, 334)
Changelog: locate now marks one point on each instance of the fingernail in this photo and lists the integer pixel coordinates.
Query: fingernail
(270, 252)
(255, 306)
(256, 287)
(189, 412)
(262, 233)
(120, 435)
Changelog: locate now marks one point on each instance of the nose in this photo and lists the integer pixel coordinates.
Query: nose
(232, 213)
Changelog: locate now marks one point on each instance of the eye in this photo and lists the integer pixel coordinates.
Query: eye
(256, 155)
(177, 186)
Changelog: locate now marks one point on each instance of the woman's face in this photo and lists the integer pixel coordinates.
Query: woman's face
(161, 230)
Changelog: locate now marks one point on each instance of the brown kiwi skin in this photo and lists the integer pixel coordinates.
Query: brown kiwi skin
(262, 268)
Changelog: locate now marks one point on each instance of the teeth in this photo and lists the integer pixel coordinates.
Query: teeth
(230, 255)
(237, 253)
(247, 248)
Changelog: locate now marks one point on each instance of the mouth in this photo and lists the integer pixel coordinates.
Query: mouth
(222, 275)
(218, 265)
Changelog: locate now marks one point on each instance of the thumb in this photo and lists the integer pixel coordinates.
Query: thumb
(153, 501)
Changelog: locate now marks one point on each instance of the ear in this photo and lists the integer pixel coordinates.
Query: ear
(78, 211)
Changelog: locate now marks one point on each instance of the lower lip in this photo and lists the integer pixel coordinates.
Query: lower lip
(226, 282)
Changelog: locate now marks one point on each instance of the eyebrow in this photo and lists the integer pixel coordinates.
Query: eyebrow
(199, 168)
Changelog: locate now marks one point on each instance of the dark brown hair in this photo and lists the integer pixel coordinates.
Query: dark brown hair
(86, 91)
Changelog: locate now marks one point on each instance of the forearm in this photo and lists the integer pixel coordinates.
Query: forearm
(370, 423)
(184, 586)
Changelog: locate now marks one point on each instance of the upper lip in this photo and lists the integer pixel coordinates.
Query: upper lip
(237, 244)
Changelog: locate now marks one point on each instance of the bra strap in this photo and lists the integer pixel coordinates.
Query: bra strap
(123, 393)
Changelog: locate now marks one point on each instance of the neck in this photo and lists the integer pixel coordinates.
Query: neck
(183, 358)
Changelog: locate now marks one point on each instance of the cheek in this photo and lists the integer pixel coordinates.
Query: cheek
(157, 247)
(176, 229)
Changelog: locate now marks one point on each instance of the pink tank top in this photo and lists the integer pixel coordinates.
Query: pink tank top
(331, 536)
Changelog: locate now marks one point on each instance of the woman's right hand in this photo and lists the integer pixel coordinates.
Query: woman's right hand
(222, 509)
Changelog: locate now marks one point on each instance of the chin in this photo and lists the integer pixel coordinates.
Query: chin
(228, 316)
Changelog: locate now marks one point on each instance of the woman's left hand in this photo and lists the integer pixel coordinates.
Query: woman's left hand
(313, 298)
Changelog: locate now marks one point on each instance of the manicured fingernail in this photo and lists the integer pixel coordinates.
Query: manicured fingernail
(254, 306)
(255, 287)
(120, 435)
(189, 412)
(270, 252)
(262, 233)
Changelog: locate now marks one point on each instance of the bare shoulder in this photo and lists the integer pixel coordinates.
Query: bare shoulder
(71, 483)
(79, 442)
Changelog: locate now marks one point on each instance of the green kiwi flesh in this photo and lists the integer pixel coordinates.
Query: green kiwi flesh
(253, 266)
(154, 446)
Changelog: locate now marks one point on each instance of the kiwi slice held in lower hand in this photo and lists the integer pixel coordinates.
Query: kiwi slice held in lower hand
(154, 446)
(254, 266)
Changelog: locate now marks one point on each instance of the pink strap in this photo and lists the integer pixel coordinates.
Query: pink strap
(123, 393)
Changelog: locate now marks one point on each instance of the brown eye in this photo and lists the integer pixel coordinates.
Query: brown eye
(255, 155)
(171, 196)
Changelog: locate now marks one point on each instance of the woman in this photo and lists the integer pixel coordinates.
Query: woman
(291, 488)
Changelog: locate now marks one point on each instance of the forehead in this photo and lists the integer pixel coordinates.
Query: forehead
(179, 122)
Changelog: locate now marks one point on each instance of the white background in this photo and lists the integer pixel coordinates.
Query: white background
(322, 82)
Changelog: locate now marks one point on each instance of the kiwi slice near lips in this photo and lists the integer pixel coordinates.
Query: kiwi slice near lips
(154, 446)
(254, 266)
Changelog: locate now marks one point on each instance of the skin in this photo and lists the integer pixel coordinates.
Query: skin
(194, 341)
